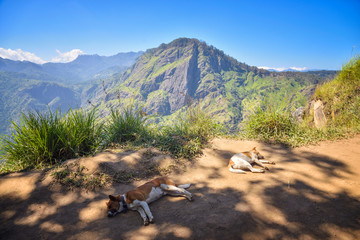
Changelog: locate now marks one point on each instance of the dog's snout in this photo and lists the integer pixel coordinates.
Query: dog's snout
(111, 213)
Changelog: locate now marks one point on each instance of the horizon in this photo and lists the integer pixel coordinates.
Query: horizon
(282, 35)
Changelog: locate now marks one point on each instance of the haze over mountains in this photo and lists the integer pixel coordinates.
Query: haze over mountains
(163, 80)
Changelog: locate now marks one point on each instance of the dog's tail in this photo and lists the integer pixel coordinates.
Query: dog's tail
(184, 185)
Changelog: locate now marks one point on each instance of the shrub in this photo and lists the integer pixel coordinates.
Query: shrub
(189, 134)
(45, 138)
(279, 126)
(128, 125)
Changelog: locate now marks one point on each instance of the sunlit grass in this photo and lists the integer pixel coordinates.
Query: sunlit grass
(47, 138)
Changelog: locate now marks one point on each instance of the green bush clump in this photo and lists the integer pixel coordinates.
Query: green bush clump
(46, 138)
(128, 125)
(189, 134)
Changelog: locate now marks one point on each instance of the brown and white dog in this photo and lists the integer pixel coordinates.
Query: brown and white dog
(242, 161)
(139, 198)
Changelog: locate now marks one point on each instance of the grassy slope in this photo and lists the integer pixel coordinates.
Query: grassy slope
(341, 98)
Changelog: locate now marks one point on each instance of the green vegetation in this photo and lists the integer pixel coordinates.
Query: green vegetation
(189, 134)
(278, 126)
(47, 139)
(341, 98)
(128, 125)
(42, 139)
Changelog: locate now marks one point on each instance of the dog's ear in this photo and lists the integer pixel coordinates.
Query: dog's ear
(112, 198)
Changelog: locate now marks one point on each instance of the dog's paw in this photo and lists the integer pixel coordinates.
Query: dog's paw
(146, 223)
(267, 168)
(273, 163)
(151, 221)
(190, 198)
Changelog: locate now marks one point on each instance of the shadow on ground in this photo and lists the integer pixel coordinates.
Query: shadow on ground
(226, 206)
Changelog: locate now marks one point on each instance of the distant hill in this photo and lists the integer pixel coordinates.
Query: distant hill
(165, 79)
(83, 68)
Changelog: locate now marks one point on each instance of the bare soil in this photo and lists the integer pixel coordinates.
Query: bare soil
(311, 193)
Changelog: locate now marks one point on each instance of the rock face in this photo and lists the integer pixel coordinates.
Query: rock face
(299, 114)
(319, 116)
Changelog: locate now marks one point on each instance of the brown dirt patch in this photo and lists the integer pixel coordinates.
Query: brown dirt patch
(311, 193)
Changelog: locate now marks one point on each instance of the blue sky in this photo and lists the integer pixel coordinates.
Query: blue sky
(312, 34)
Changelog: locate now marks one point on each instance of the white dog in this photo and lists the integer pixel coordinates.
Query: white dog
(139, 198)
(242, 161)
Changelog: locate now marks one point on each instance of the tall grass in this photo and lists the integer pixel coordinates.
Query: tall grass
(186, 137)
(276, 125)
(41, 139)
(128, 124)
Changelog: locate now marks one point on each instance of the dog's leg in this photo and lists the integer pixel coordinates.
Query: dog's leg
(268, 162)
(146, 208)
(143, 215)
(176, 191)
(257, 161)
(233, 170)
(240, 166)
(255, 170)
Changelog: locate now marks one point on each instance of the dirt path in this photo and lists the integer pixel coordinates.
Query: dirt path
(311, 193)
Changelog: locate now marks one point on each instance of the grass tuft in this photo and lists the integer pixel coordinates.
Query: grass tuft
(45, 139)
(189, 134)
(128, 125)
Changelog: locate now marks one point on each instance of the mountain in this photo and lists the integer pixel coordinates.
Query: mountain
(166, 79)
(83, 68)
(28, 68)
(21, 93)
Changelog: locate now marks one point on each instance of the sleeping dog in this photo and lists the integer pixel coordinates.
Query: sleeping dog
(242, 161)
(139, 198)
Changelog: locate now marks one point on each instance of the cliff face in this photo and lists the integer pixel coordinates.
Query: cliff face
(167, 78)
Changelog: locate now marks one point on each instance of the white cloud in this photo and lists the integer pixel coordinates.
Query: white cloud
(20, 55)
(67, 56)
(284, 68)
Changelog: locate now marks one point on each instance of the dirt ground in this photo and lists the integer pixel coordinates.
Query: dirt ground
(311, 193)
